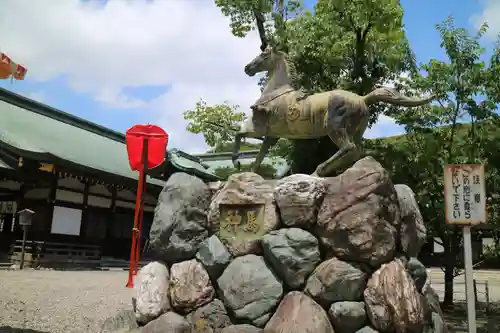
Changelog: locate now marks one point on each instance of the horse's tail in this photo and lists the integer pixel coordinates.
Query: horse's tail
(393, 97)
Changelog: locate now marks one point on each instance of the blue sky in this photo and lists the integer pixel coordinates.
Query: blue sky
(133, 83)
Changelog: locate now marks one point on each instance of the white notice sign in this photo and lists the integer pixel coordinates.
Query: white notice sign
(465, 194)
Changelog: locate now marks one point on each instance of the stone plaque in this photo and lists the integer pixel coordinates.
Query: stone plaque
(241, 221)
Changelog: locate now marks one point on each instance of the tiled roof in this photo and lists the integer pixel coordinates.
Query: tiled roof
(31, 128)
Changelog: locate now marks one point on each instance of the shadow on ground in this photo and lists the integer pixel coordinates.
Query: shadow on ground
(488, 319)
(8, 329)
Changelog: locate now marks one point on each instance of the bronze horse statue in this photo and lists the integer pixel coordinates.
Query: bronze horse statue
(285, 111)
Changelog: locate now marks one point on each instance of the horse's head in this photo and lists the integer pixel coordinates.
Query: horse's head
(264, 62)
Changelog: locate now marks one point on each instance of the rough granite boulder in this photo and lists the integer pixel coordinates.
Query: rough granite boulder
(151, 292)
(298, 312)
(418, 272)
(180, 220)
(298, 198)
(169, 322)
(359, 217)
(393, 303)
(244, 328)
(413, 231)
(293, 254)
(245, 188)
(214, 256)
(347, 317)
(431, 298)
(366, 329)
(210, 318)
(190, 286)
(336, 281)
(123, 321)
(250, 289)
(334, 255)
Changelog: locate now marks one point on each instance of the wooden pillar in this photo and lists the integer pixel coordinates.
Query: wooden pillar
(84, 222)
(19, 196)
(111, 219)
(20, 206)
(51, 202)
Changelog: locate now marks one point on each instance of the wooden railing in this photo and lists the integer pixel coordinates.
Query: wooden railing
(57, 255)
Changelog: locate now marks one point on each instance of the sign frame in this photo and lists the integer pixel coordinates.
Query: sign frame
(475, 170)
(477, 180)
(242, 212)
(8, 207)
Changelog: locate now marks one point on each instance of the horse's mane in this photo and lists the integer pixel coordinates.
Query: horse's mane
(291, 70)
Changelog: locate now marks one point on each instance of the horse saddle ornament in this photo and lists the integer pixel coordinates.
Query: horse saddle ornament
(293, 112)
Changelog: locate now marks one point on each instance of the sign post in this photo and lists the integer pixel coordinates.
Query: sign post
(25, 217)
(146, 149)
(465, 205)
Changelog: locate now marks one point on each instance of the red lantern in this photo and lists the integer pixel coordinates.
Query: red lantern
(157, 140)
(146, 148)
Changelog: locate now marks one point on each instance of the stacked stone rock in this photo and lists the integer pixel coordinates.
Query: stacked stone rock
(338, 255)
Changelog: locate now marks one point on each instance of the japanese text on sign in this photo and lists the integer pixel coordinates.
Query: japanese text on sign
(8, 207)
(465, 195)
(241, 221)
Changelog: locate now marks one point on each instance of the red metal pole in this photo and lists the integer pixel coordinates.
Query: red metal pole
(141, 218)
(138, 199)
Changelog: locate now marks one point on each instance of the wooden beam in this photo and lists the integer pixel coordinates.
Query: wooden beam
(98, 195)
(83, 225)
(111, 216)
(51, 202)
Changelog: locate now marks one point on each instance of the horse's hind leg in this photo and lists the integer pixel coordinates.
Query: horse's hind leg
(348, 151)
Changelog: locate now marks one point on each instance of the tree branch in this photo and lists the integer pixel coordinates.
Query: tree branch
(259, 20)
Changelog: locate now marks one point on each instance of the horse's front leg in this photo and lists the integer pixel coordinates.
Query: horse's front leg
(236, 150)
(236, 147)
(247, 130)
(264, 148)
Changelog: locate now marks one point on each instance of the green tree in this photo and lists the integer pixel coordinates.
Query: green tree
(216, 123)
(228, 147)
(268, 17)
(267, 171)
(355, 45)
(460, 85)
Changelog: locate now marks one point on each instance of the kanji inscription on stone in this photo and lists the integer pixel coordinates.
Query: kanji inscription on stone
(241, 221)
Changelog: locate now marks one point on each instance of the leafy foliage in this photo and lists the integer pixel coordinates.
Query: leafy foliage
(228, 147)
(437, 134)
(354, 45)
(268, 17)
(267, 171)
(359, 45)
(216, 123)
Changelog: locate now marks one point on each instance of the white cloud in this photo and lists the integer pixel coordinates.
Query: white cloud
(102, 49)
(186, 45)
(490, 13)
(385, 126)
(38, 96)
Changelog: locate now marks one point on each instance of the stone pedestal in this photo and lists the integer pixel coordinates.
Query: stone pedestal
(303, 254)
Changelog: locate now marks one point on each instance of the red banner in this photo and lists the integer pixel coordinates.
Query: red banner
(9, 68)
(157, 140)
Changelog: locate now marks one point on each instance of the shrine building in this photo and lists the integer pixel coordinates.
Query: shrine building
(75, 176)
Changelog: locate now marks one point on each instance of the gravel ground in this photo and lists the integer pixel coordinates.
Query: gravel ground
(43, 301)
